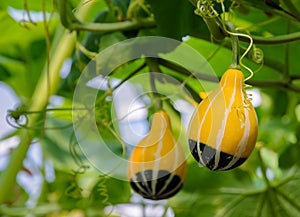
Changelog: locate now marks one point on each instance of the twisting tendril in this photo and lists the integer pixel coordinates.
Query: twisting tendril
(222, 5)
(205, 8)
(238, 34)
(245, 53)
(103, 192)
(74, 190)
(257, 55)
(19, 118)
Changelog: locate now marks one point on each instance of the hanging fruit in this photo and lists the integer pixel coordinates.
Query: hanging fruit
(157, 167)
(223, 130)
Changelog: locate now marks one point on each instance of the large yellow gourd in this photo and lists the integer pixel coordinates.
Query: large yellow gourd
(223, 129)
(157, 166)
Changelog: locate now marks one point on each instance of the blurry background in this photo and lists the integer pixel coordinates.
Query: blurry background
(45, 45)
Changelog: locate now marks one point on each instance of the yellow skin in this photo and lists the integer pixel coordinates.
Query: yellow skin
(225, 121)
(158, 151)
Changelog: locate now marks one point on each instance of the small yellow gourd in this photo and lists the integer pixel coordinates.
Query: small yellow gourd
(157, 167)
(223, 129)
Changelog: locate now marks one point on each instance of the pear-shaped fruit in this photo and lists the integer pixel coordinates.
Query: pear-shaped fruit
(223, 129)
(157, 167)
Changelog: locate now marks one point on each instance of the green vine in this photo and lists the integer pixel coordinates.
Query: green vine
(219, 32)
(72, 23)
(235, 47)
(62, 48)
(211, 17)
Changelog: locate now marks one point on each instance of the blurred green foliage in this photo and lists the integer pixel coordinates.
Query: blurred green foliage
(266, 185)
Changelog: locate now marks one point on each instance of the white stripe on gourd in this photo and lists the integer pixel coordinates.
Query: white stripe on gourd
(157, 153)
(225, 121)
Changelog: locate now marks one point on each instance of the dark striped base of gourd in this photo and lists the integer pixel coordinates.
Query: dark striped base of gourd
(156, 185)
(207, 156)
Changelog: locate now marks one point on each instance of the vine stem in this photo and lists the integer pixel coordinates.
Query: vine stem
(279, 39)
(72, 23)
(271, 195)
(263, 169)
(111, 27)
(154, 67)
(286, 70)
(235, 47)
(62, 47)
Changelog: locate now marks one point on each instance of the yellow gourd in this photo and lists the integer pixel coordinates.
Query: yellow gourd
(223, 129)
(157, 167)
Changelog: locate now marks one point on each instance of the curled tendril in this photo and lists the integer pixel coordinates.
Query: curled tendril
(17, 119)
(222, 5)
(234, 5)
(238, 35)
(102, 190)
(246, 104)
(73, 145)
(74, 190)
(240, 113)
(205, 9)
(257, 55)
(245, 53)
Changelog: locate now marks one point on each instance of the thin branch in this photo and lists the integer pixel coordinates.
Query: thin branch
(265, 84)
(266, 6)
(286, 71)
(112, 27)
(137, 70)
(293, 177)
(184, 71)
(72, 23)
(237, 191)
(280, 39)
(291, 7)
(275, 84)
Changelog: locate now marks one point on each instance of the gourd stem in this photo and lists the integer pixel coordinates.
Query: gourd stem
(154, 68)
(235, 46)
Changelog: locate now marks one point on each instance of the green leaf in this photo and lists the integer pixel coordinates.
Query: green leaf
(111, 39)
(290, 156)
(175, 18)
(22, 54)
(57, 144)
